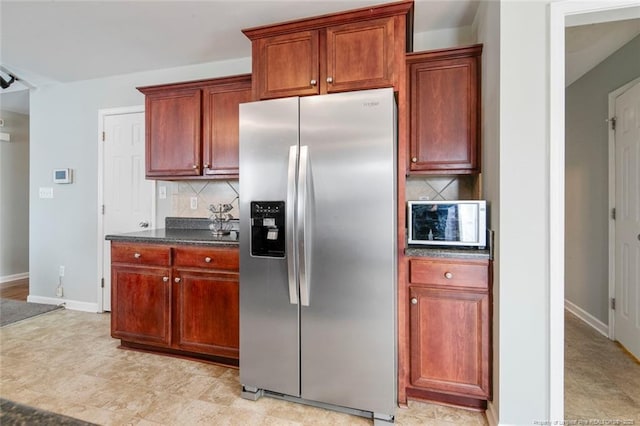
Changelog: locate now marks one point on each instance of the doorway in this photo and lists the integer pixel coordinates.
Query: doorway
(126, 200)
(560, 14)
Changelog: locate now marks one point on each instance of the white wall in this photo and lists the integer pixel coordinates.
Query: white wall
(523, 231)
(64, 133)
(487, 27)
(14, 197)
(440, 39)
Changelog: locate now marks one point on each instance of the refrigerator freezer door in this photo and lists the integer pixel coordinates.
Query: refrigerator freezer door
(348, 328)
(269, 323)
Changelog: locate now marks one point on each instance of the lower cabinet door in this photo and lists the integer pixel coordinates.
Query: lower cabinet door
(449, 341)
(141, 304)
(207, 312)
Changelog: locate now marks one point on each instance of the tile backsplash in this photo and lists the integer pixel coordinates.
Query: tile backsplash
(215, 192)
(442, 188)
(207, 193)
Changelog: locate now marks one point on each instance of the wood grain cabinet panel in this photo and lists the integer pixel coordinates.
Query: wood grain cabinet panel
(206, 308)
(449, 341)
(172, 146)
(191, 128)
(142, 312)
(444, 111)
(352, 50)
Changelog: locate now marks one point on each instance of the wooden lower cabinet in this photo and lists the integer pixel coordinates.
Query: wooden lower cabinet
(188, 306)
(142, 308)
(206, 304)
(449, 341)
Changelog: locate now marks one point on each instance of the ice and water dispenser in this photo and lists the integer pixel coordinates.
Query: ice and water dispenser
(267, 228)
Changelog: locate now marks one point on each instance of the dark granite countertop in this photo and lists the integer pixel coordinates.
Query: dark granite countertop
(453, 253)
(191, 231)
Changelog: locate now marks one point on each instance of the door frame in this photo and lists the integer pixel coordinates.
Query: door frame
(562, 14)
(102, 114)
(612, 203)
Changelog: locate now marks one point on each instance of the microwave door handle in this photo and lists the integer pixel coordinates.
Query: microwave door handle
(304, 234)
(292, 270)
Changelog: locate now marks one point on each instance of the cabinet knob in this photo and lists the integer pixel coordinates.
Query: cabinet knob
(137, 255)
(176, 279)
(165, 279)
(329, 80)
(448, 275)
(207, 259)
(414, 301)
(206, 165)
(414, 159)
(313, 82)
(195, 166)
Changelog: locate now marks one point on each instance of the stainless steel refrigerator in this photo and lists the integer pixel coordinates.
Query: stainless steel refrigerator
(318, 251)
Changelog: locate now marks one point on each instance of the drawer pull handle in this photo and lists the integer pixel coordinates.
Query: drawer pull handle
(137, 255)
(414, 301)
(165, 279)
(177, 279)
(448, 275)
(207, 259)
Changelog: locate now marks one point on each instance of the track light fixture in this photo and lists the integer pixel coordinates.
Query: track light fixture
(6, 83)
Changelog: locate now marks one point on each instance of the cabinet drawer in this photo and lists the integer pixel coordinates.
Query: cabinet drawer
(140, 254)
(205, 257)
(450, 273)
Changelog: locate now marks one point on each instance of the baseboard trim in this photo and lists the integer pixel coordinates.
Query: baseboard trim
(73, 305)
(14, 277)
(589, 319)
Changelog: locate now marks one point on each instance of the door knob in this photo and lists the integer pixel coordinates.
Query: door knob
(144, 224)
(414, 301)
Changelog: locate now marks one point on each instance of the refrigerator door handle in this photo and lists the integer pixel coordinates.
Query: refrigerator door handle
(290, 225)
(304, 235)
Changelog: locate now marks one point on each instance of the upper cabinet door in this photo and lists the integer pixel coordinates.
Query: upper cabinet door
(220, 139)
(360, 55)
(287, 65)
(444, 104)
(173, 133)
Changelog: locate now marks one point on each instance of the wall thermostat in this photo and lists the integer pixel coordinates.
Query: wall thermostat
(62, 176)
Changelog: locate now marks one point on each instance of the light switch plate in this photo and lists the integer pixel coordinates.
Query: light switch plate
(194, 203)
(46, 192)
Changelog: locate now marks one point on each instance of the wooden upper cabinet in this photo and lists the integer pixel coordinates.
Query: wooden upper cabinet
(444, 103)
(220, 139)
(361, 55)
(353, 50)
(192, 128)
(288, 65)
(173, 133)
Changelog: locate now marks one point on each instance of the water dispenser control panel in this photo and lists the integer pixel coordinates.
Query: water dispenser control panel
(267, 228)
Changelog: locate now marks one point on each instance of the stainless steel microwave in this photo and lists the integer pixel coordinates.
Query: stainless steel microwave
(447, 223)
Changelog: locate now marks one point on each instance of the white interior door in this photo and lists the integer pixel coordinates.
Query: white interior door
(128, 196)
(627, 223)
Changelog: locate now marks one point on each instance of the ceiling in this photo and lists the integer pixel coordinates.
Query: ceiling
(46, 42)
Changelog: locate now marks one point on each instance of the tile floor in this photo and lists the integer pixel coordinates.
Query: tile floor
(602, 381)
(66, 362)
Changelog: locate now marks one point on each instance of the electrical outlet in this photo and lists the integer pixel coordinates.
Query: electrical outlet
(61, 271)
(59, 291)
(194, 203)
(45, 192)
(162, 192)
